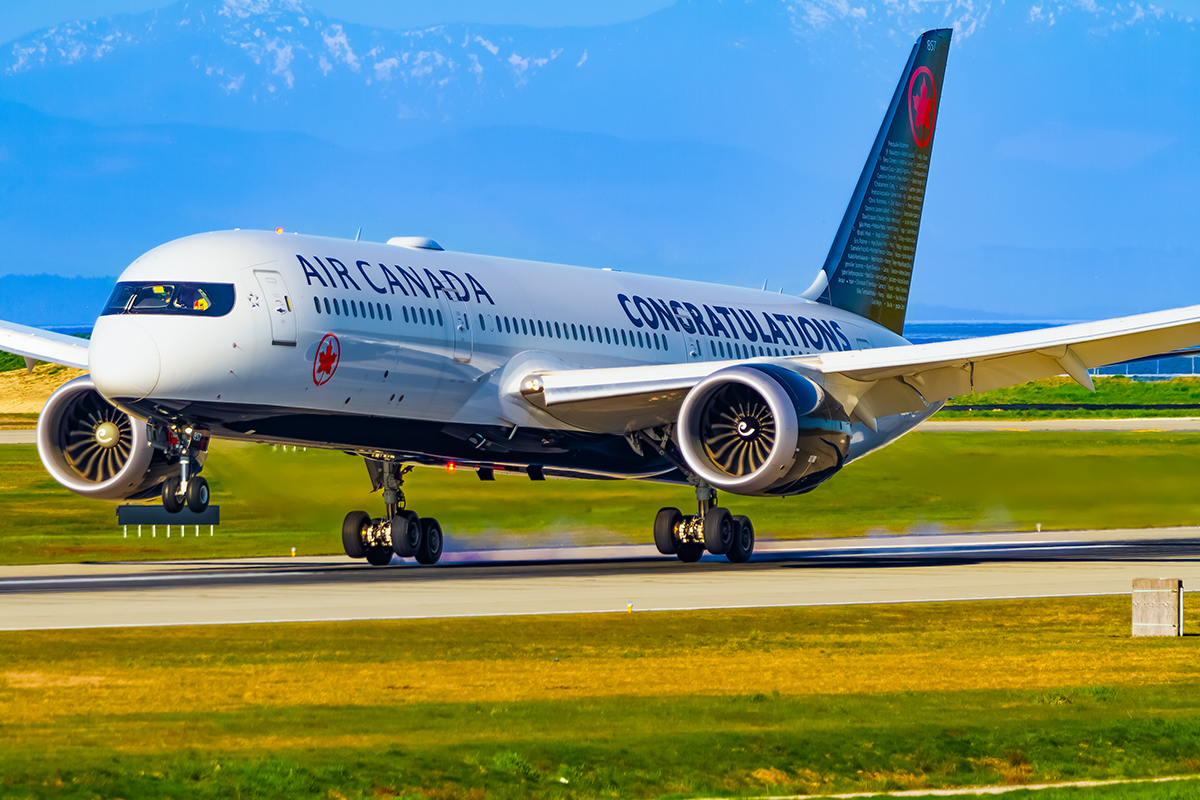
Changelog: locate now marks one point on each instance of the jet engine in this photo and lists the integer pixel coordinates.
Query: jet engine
(761, 429)
(94, 449)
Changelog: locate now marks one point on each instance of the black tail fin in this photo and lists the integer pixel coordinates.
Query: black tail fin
(869, 266)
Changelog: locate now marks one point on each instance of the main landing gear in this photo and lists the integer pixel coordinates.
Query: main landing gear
(712, 528)
(190, 446)
(399, 532)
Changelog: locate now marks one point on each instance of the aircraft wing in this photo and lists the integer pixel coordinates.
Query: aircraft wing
(872, 383)
(37, 345)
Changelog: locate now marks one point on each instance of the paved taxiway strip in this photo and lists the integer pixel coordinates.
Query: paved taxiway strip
(1155, 424)
(18, 437)
(582, 580)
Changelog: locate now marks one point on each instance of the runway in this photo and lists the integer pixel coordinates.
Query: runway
(593, 580)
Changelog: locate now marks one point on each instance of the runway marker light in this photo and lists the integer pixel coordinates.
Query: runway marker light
(629, 608)
(451, 466)
(293, 552)
(1039, 527)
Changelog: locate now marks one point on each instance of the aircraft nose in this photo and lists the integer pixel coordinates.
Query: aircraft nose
(123, 359)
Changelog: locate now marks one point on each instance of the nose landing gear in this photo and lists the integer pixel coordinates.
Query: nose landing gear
(712, 528)
(190, 446)
(399, 531)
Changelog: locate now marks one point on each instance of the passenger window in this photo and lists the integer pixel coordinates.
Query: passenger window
(591, 338)
(524, 328)
(422, 316)
(665, 342)
(712, 347)
(557, 332)
(336, 308)
(482, 324)
(326, 305)
(439, 313)
(354, 310)
(405, 310)
(541, 331)
(507, 329)
(388, 309)
(317, 303)
(574, 332)
(607, 337)
(623, 338)
(371, 308)
(655, 341)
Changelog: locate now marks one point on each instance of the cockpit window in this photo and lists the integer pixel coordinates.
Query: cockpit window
(183, 299)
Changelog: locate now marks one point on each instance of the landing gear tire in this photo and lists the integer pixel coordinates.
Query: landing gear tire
(172, 502)
(743, 541)
(406, 534)
(379, 555)
(197, 495)
(690, 552)
(352, 528)
(664, 530)
(718, 531)
(431, 542)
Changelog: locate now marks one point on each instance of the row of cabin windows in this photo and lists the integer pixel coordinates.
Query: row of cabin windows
(536, 327)
(613, 336)
(352, 308)
(732, 350)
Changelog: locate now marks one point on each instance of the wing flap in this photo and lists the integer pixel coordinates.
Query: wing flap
(36, 345)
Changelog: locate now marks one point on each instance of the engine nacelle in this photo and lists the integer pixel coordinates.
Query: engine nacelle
(94, 449)
(761, 429)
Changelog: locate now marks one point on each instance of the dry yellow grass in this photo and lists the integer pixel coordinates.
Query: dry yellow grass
(24, 393)
(1034, 645)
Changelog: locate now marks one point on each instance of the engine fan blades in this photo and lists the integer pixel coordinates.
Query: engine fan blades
(738, 430)
(84, 452)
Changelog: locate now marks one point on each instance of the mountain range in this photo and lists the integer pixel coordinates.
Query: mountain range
(711, 140)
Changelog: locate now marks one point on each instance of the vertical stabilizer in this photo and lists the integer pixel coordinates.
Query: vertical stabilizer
(869, 267)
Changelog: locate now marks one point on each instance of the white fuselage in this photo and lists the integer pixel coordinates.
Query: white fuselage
(424, 339)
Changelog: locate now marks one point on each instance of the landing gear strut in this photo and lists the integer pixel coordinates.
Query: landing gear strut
(399, 531)
(713, 529)
(190, 446)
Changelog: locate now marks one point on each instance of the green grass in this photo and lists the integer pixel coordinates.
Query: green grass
(1109, 390)
(714, 703)
(274, 499)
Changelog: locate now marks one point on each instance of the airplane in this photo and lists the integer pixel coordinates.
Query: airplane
(406, 354)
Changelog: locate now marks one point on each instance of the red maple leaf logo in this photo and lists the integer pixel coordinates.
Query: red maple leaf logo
(922, 105)
(325, 363)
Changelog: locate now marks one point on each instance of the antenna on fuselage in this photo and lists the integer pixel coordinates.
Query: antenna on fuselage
(358, 234)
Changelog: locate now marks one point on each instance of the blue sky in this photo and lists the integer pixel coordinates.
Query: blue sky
(18, 18)
(711, 141)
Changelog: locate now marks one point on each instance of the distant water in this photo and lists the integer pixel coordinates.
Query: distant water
(930, 332)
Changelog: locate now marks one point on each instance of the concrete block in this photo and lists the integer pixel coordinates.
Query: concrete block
(1157, 607)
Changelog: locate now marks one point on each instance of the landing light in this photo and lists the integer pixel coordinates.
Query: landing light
(451, 466)
(279, 230)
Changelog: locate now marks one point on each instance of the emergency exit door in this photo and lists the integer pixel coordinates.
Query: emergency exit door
(279, 306)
